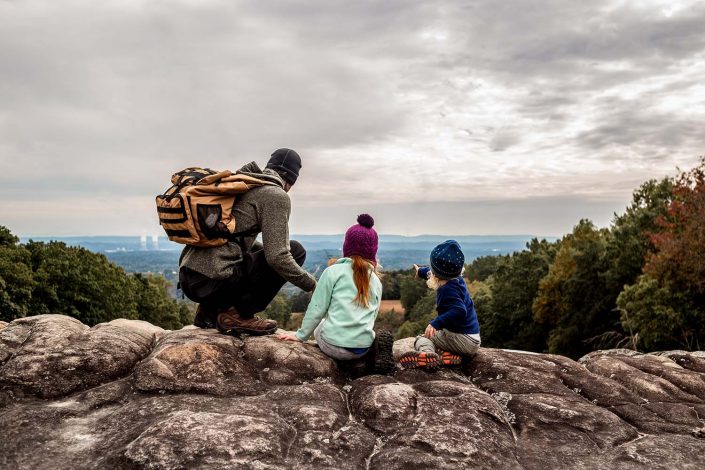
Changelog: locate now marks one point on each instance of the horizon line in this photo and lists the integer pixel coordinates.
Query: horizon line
(292, 236)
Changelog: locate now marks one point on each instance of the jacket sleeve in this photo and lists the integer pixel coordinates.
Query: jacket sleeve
(423, 272)
(451, 310)
(274, 223)
(318, 307)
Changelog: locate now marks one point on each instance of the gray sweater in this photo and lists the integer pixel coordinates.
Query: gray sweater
(267, 208)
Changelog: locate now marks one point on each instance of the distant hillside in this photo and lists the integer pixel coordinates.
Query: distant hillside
(395, 251)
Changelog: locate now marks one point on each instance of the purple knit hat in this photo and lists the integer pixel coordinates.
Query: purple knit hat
(361, 239)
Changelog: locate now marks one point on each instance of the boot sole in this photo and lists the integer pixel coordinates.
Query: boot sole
(237, 331)
(384, 359)
(450, 360)
(419, 360)
(202, 320)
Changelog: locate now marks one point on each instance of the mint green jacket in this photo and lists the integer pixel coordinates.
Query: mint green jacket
(347, 324)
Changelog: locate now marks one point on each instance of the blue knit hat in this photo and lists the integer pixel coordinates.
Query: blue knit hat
(447, 260)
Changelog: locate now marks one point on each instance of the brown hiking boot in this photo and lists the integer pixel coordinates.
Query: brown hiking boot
(230, 322)
(450, 359)
(416, 359)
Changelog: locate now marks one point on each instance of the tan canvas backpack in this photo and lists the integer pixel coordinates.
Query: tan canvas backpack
(197, 209)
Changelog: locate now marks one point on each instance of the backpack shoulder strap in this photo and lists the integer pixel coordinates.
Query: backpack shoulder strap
(225, 183)
(249, 180)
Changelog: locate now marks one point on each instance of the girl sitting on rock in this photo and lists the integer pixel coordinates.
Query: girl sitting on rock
(346, 302)
(455, 332)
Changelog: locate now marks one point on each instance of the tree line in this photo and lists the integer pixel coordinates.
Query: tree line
(39, 278)
(639, 283)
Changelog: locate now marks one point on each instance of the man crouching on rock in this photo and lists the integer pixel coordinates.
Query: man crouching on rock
(232, 284)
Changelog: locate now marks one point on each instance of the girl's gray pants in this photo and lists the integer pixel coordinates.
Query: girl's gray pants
(336, 352)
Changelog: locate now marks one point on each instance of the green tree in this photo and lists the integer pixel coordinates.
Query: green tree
(52, 277)
(659, 318)
(412, 289)
(425, 308)
(504, 302)
(154, 304)
(7, 238)
(391, 289)
(409, 329)
(483, 267)
(76, 282)
(423, 311)
(300, 301)
(16, 278)
(388, 321)
(187, 311)
(481, 293)
(278, 309)
(573, 299)
(630, 242)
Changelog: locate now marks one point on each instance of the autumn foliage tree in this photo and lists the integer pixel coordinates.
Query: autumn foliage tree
(666, 307)
(561, 297)
(679, 245)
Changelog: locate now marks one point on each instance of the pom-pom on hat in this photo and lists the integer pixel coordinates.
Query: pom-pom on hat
(361, 239)
(447, 260)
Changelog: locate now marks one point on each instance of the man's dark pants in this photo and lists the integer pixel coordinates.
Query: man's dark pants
(251, 287)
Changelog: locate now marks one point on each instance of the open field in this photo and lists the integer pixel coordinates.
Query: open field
(389, 305)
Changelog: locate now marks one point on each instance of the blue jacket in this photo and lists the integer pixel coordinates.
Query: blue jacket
(456, 311)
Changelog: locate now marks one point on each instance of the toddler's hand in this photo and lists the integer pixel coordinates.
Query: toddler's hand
(416, 270)
(287, 337)
(430, 332)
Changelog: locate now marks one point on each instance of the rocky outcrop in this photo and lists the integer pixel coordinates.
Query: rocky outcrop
(53, 355)
(129, 395)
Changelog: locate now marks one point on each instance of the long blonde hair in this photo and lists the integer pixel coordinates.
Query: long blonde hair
(362, 275)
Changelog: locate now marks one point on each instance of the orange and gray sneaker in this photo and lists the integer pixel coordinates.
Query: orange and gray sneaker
(230, 322)
(418, 359)
(449, 359)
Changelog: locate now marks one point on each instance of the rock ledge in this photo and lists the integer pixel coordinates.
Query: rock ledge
(127, 394)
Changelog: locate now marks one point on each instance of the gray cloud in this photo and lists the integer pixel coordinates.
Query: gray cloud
(400, 102)
(539, 216)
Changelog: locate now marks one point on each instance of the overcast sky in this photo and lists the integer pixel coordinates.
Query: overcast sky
(475, 117)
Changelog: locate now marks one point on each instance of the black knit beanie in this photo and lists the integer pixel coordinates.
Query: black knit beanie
(287, 162)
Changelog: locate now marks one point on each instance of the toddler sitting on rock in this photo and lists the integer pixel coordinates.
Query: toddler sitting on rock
(345, 304)
(455, 332)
